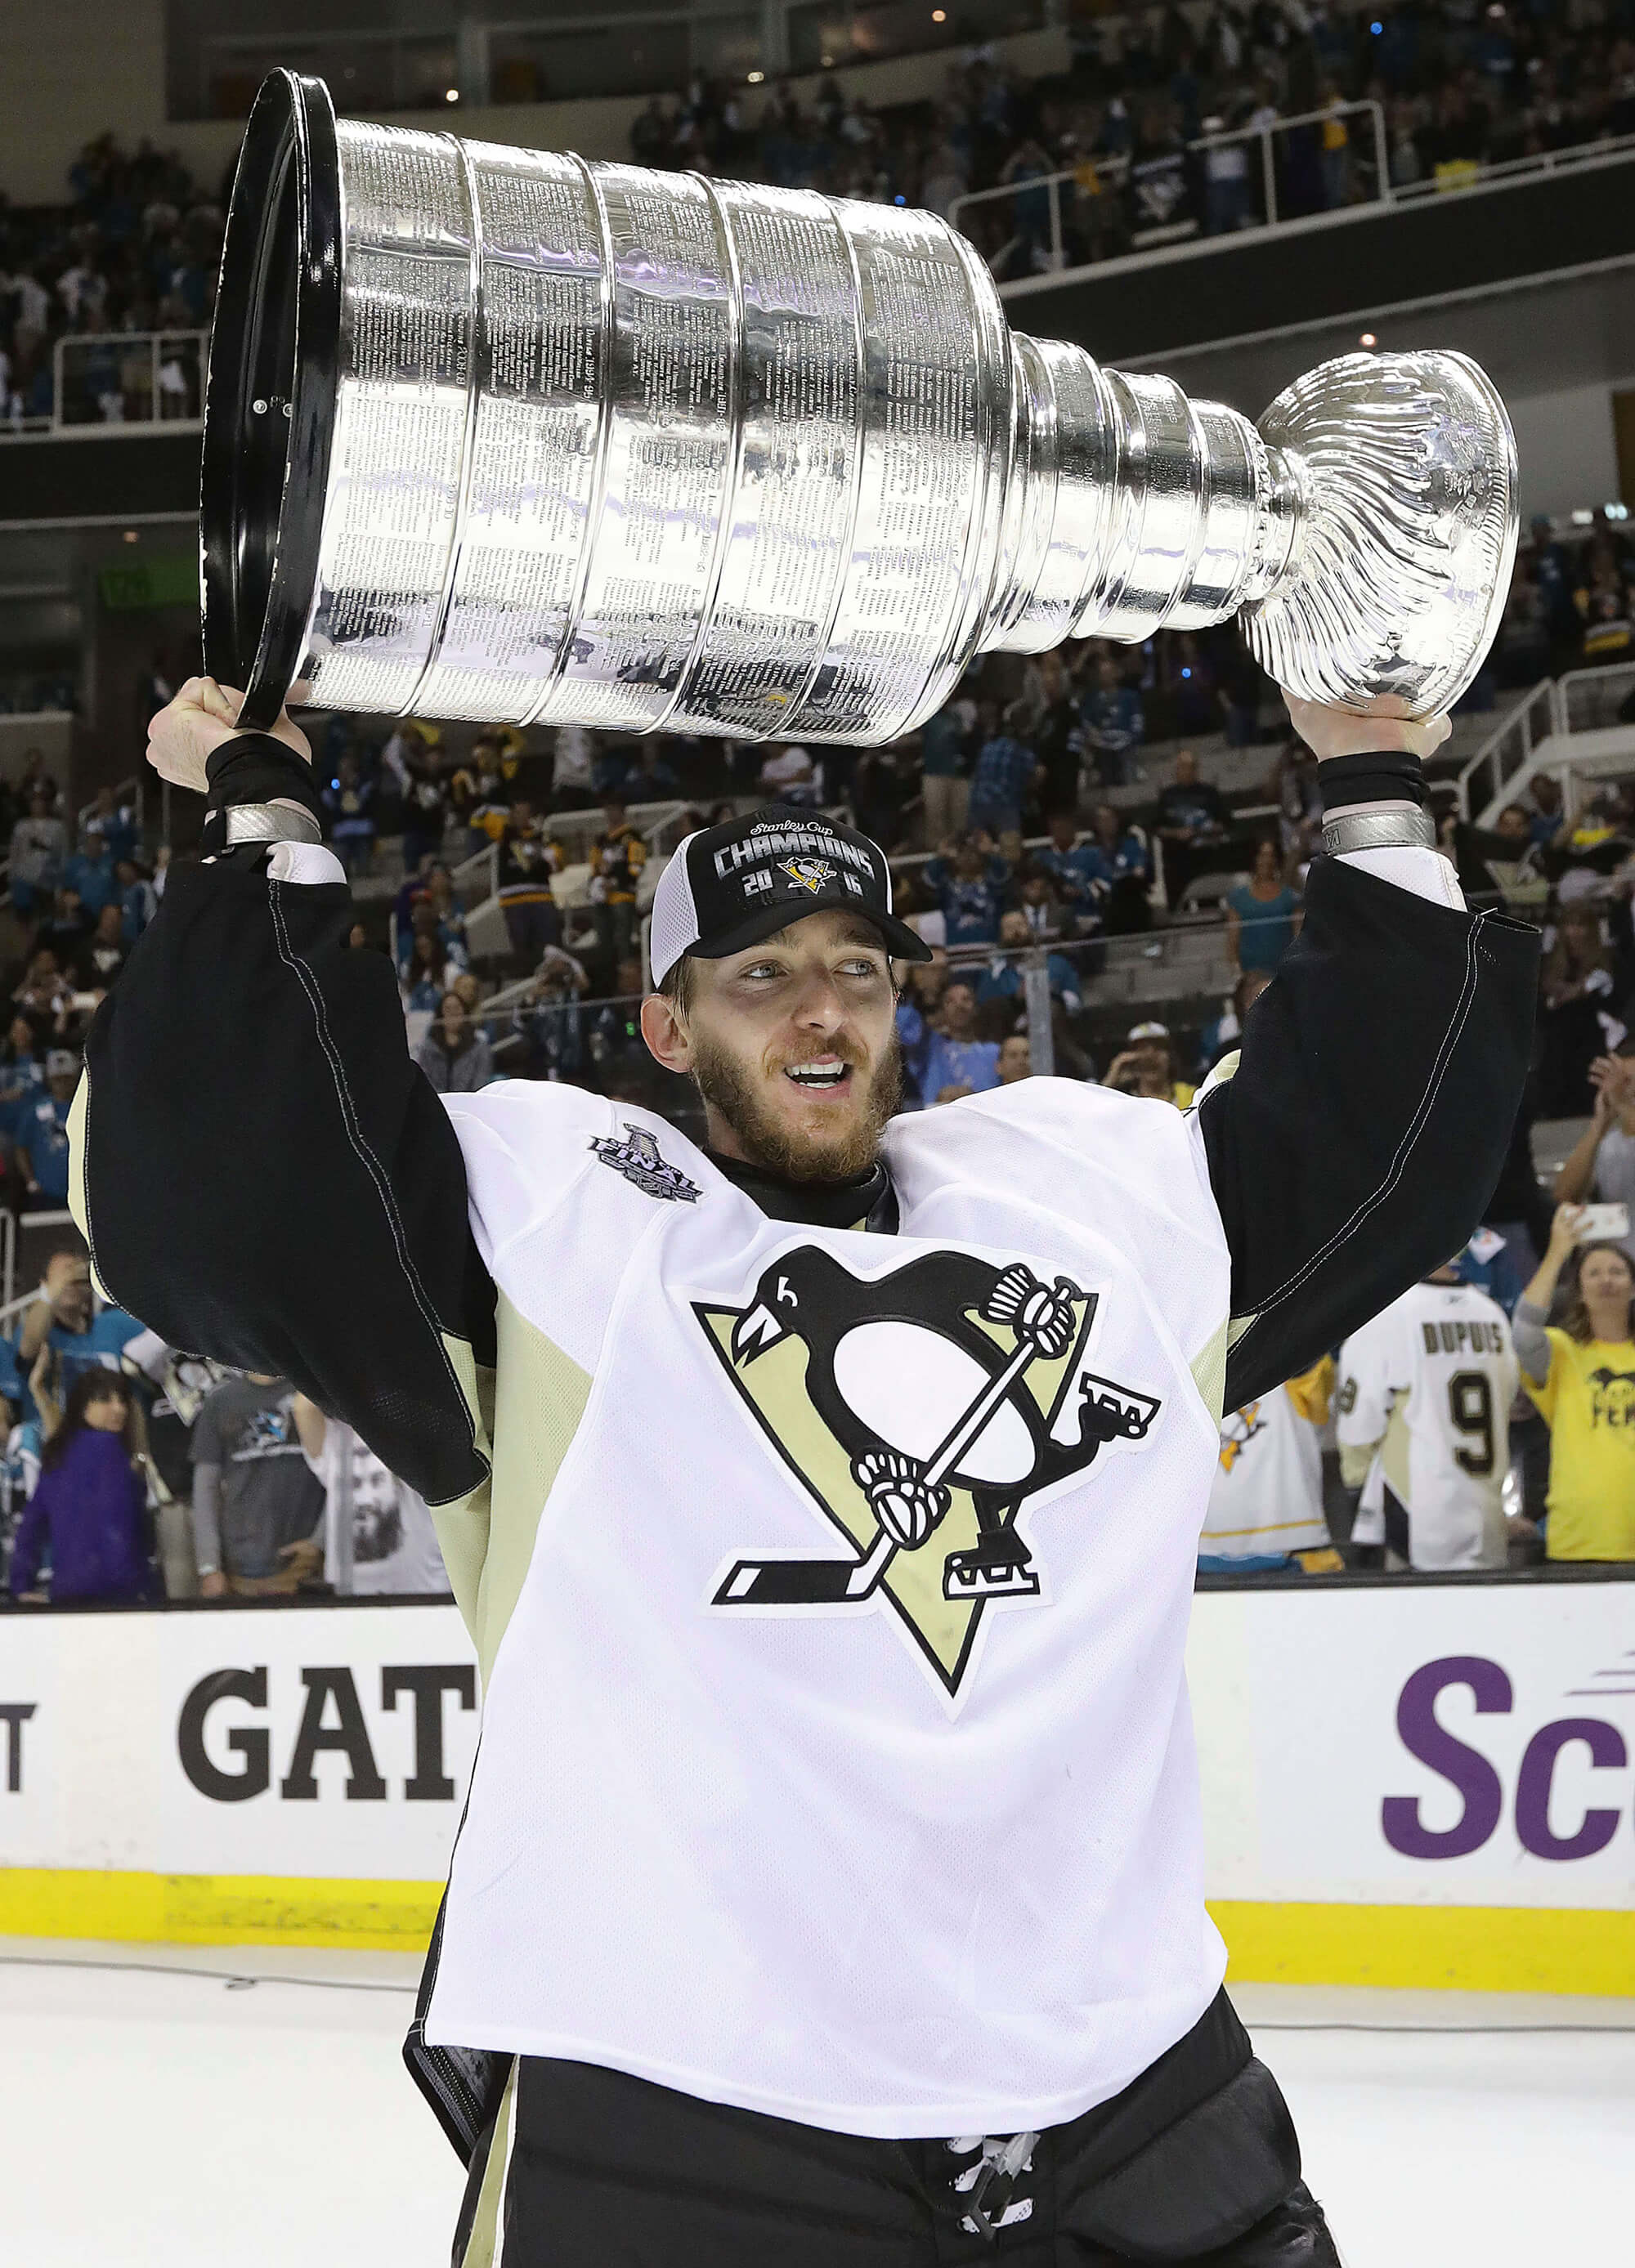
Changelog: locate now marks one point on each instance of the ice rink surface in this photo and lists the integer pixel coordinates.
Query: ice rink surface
(233, 2109)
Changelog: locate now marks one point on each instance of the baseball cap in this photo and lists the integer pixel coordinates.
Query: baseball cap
(62, 1063)
(727, 887)
(1147, 1032)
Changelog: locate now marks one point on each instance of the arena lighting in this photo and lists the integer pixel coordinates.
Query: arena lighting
(1616, 510)
(453, 95)
(1367, 340)
(940, 15)
(756, 78)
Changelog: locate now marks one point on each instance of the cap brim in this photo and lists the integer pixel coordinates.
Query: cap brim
(901, 942)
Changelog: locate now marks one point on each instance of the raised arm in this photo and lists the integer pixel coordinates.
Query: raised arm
(1378, 1080)
(1576, 1177)
(261, 1174)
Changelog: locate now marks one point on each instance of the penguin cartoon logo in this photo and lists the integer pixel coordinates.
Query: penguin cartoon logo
(810, 873)
(1238, 1431)
(921, 1410)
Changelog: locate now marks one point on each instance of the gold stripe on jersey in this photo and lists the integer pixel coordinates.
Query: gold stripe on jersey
(462, 1524)
(483, 2245)
(525, 1426)
(541, 1397)
(1209, 1375)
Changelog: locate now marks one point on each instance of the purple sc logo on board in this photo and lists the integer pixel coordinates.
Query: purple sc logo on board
(1477, 1781)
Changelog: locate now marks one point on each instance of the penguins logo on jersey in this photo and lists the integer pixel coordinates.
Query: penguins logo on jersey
(923, 1411)
(811, 873)
(1237, 1431)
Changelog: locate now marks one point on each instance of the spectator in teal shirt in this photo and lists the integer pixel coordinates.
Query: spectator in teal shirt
(22, 1076)
(1263, 914)
(1114, 724)
(91, 872)
(42, 1135)
(138, 902)
(1002, 979)
(1078, 871)
(945, 758)
(66, 1319)
(969, 884)
(1006, 773)
(954, 1057)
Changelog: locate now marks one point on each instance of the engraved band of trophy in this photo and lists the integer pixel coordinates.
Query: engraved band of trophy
(499, 434)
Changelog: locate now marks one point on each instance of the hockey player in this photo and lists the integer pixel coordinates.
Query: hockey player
(823, 1501)
(1266, 1504)
(1425, 1390)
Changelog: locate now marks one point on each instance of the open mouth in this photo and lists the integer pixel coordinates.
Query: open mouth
(827, 1076)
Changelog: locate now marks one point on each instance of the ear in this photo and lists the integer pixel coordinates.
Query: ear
(666, 1035)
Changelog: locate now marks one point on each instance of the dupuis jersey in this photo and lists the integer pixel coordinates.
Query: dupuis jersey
(1425, 1397)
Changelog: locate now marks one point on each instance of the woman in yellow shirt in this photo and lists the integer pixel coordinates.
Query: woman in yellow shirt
(1582, 1377)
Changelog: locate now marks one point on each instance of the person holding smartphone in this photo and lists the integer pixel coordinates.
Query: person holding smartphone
(1581, 1375)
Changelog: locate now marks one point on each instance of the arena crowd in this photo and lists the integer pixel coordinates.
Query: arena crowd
(1136, 123)
(1130, 826)
(1135, 823)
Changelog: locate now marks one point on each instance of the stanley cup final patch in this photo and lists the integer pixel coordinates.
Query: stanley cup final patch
(637, 1158)
(922, 1411)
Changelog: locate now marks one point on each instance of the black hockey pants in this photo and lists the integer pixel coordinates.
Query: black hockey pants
(1195, 2163)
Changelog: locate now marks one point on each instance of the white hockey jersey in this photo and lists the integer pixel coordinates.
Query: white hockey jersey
(1428, 1387)
(837, 1760)
(1267, 1493)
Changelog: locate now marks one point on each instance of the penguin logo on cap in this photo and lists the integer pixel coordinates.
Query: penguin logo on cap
(923, 1412)
(810, 873)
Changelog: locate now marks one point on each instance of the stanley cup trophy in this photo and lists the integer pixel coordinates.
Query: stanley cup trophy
(498, 434)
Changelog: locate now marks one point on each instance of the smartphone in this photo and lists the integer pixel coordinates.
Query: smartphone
(1603, 1224)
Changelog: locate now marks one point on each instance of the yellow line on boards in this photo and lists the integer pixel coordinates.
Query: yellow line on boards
(218, 1908)
(1445, 1949)
(1464, 1949)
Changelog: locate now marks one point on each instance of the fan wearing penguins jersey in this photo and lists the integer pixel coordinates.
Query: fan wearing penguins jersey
(776, 1922)
(1423, 1426)
(1265, 1506)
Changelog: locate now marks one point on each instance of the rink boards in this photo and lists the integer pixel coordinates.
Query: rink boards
(1431, 1786)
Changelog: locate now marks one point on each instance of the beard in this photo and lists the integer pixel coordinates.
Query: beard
(725, 1081)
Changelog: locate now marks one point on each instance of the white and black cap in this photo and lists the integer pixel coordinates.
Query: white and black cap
(728, 887)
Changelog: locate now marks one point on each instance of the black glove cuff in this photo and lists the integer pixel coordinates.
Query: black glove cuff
(1391, 776)
(254, 768)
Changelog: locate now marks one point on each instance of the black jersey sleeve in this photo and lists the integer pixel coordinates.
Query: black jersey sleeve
(1367, 1125)
(264, 1176)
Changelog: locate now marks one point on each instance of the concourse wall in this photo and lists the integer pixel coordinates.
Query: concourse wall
(1425, 1783)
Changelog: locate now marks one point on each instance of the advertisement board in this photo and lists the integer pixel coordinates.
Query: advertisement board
(1427, 1784)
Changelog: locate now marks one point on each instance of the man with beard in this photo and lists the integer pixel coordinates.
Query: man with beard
(823, 1500)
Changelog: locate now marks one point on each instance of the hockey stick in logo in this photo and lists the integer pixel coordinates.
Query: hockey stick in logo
(909, 1504)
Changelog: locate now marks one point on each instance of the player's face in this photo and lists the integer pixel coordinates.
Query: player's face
(793, 1045)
